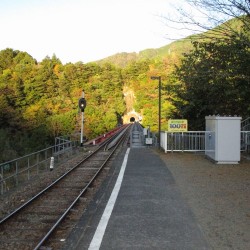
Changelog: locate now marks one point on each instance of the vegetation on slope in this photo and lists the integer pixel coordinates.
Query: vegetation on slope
(39, 100)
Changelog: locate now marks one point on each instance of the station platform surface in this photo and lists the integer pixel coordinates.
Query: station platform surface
(147, 213)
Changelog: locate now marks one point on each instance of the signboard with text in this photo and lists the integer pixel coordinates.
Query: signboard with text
(177, 125)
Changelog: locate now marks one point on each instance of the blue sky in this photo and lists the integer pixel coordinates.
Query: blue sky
(84, 30)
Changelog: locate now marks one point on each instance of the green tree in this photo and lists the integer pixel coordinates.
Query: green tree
(216, 81)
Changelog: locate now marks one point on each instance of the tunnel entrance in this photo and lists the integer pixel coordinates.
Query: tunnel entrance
(131, 116)
(132, 119)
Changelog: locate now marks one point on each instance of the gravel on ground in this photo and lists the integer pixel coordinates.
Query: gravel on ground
(26, 190)
(219, 196)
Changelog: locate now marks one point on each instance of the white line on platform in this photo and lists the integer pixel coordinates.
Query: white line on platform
(99, 233)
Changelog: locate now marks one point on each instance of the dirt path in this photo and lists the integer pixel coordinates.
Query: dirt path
(219, 196)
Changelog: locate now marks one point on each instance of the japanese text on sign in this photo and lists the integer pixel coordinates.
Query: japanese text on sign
(178, 125)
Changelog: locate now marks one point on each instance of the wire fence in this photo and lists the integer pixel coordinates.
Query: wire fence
(17, 171)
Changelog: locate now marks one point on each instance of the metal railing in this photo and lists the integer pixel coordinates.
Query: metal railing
(194, 141)
(62, 143)
(245, 124)
(245, 141)
(17, 171)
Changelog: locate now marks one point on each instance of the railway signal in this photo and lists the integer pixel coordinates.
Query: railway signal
(82, 105)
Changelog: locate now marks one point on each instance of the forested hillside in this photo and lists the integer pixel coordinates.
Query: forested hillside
(39, 100)
(123, 59)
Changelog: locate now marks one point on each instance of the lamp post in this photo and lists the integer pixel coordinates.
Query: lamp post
(159, 108)
(82, 105)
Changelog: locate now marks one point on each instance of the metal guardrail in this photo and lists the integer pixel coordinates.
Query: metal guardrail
(194, 141)
(19, 170)
(245, 124)
(245, 141)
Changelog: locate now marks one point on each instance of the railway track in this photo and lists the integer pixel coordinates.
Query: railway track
(31, 225)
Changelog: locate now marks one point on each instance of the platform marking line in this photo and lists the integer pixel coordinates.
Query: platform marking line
(99, 233)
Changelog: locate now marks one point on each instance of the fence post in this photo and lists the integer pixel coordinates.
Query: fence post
(37, 163)
(51, 167)
(166, 142)
(246, 141)
(28, 168)
(182, 142)
(2, 180)
(16, 174)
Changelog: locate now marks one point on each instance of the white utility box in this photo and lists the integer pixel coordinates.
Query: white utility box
(223, 139)
(149, 141)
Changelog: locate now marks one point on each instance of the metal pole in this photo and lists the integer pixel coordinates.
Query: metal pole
(81, 139)
(82, 129)
(159, 112)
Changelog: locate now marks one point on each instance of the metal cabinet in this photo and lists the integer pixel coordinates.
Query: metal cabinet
(223, 139)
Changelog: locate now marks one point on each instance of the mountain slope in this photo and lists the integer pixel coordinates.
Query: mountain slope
(122, 59)
(178, 47)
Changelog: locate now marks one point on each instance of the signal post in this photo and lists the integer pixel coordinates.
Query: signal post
(82, 105)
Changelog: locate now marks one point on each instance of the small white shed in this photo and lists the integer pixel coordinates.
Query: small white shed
(223, 139)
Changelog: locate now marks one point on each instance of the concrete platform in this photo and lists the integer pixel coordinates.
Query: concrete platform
(148, 213)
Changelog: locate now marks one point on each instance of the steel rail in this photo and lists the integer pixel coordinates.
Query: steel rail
(57, 180)
(62, 177)
(47, 188)
(82, 192)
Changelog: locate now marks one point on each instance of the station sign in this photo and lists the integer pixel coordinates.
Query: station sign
(177, 125)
